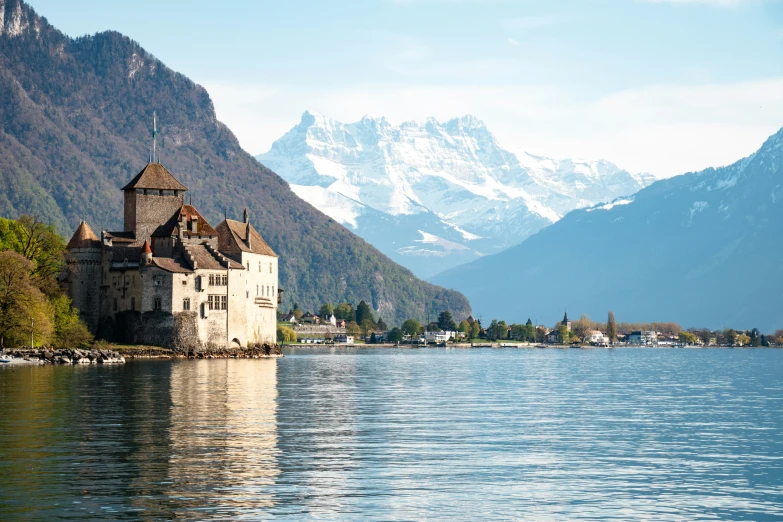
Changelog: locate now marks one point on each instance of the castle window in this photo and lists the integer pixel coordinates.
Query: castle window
(217, 302)
(259, 266)
(224, 280)
(156, 305)
(186, 303)
(198, 283)
(157, 280)
(211, 279)
(270, 268)
(133, 303)
(256, 290)
(267, 291)
(184, 282)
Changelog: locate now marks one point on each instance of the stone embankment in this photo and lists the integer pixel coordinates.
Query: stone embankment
(75, 356)
(150, 352)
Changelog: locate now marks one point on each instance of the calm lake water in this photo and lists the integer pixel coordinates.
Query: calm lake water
(400, 434)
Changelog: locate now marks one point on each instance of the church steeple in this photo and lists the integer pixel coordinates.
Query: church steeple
(565, 318)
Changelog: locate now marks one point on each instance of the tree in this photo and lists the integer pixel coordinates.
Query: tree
(395, 335)
(285, 335)
(729, 336)
(464, 327)
(297, 312)
(411, 327)
(345, 311)
(540, 334)
(367, 327)
(432, 327)
(373, 339)
(382, 325)
(69, 331)
(563, 334)
(446, 322)
(497, 330)
(326, 310)
(530, 331)
(22, 305)
(743, 340)
(40, 244)
(687, 337)
(611, 327)
(352, 328)
(364, 312)
(582, 326)
(475, 330)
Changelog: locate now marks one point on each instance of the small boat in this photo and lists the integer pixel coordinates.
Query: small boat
(4, 359)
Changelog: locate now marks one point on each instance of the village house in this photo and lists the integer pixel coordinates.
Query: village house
(329, 319)
(309, 318)
(343, 339)
(169, 278)
(643, 337)
(288, 318)
(597, 337)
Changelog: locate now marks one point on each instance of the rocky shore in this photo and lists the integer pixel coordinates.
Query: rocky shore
(75, 356)
(151, 352)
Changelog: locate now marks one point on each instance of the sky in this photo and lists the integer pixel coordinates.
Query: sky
(660, 86)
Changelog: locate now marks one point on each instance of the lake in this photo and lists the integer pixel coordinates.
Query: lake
(657, 434)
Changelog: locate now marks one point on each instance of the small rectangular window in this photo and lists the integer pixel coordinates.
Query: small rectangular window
(211, 279)
(224, 280)
(270, 268)
(186, 303)
(157, 280)
(259, 266)
(157, 304)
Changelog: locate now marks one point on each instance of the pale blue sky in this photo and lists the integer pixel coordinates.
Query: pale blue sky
(662, 86)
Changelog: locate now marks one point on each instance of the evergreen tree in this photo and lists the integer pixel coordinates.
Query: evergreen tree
(382, 325)
(446, 322)
(364, 313)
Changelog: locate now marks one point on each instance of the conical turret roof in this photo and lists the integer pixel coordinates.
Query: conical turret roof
(84, 237)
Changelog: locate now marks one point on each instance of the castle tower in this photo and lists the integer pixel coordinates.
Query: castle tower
(151, 198)
(84, 273)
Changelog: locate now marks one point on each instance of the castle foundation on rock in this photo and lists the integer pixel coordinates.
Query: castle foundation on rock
(169, 278)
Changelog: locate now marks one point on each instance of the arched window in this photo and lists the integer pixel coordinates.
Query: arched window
(157, 304)
(186, 303)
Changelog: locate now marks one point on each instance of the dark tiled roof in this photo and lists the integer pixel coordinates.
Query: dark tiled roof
(154, 176)
(232, 237)
(121, 253)
(121, 237)
(189, 214)
(171, 265)
(84, 237)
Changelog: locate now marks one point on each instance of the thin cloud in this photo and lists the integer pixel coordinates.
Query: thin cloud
(513, 42)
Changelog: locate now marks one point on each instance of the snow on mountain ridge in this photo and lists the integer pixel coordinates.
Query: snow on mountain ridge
(454, 175)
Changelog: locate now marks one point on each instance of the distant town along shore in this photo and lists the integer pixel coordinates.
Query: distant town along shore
(342, 324)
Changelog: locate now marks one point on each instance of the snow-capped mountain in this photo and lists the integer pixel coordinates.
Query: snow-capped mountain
(433, 195)
(700, 249)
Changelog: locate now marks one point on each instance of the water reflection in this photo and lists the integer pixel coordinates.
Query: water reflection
(223, 436)
(399, 434)
(151, 440)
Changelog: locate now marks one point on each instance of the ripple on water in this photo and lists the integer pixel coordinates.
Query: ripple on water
(411, 434)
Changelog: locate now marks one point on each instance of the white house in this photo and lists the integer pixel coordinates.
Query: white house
(598, 338)
(343, 339)
(643, 337)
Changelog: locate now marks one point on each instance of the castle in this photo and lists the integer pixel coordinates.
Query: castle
(169, 278)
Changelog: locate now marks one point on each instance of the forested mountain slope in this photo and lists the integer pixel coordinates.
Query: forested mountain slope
(75, 125)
